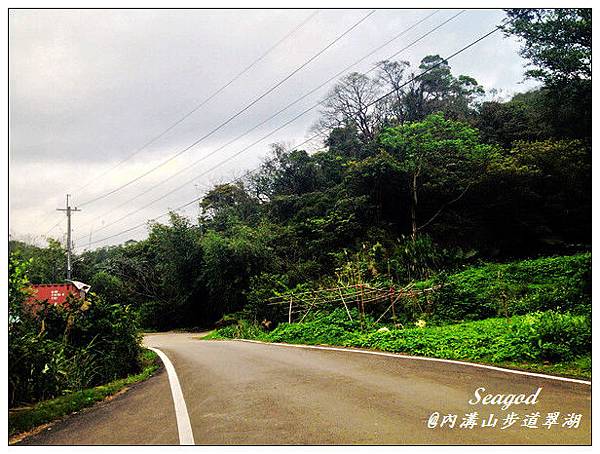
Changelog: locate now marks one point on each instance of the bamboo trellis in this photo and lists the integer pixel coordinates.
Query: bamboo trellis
(300, 304)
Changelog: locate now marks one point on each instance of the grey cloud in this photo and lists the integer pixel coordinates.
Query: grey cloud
(88, 87)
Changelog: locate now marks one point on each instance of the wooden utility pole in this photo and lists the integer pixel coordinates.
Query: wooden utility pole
(69, 210)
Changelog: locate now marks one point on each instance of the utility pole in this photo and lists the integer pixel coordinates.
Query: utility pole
(90, 242)
(69, 210)
(197, 186)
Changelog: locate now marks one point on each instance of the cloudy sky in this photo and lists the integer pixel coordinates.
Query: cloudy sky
(89, 88)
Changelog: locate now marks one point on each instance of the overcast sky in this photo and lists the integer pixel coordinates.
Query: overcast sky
(90, 87)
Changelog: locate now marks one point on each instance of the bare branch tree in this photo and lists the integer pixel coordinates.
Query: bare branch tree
(348, 103)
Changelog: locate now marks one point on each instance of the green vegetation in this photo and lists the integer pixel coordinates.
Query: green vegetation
(543, 341)
(552, 335)
(59, 349)
(475, 210)
(559, 283)
(24, 419)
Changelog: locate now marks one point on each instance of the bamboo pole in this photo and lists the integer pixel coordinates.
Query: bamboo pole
(345, 305)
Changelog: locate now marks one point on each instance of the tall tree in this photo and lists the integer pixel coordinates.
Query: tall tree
(558, 42)
(438, 154)
(350, 103)
(439, 90)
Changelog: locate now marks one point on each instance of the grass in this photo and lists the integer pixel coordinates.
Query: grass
(517, 288)
(579, 368)
(23, 420)
(547, 342)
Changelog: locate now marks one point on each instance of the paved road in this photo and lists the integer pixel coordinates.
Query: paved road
(245, 393)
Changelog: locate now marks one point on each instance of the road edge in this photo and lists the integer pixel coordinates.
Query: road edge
(184, 426)
(17, 438)
(420, 358)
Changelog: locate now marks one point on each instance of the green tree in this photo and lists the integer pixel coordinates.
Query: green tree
(558, 42)
(176, 256)
(525, 117)
(230, 260)
(48, 265)
(439, 155)
(226, 201)
(109, 287)
(438, 90)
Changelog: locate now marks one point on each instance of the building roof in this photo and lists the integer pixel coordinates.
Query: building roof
(81, 286)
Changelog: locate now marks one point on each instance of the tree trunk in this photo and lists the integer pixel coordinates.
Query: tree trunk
(413, 207)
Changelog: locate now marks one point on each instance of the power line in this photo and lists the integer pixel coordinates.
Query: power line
(433, 67)
(370, 104)
(285, 108)
(266, 93)
(219, 164)
(238, 152)
(52, 228)
(181, 207)
(196, 108)
(203, 102)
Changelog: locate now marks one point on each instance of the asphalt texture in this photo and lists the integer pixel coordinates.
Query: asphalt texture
(240, 393)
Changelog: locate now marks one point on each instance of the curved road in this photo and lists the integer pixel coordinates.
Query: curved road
(249, 393)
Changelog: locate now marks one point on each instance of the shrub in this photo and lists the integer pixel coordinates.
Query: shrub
(554, 336)
(559, 283)
(63, 348)
(109, 287)
(241, 330)
(420, 258)
(541, 336)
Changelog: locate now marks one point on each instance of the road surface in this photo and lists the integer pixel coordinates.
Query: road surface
(248, 393)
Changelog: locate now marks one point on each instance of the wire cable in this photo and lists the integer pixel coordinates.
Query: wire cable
(463, 49)
(181, 207)
(187, 169)
(52, 228)
(202, 103)
(220, 126)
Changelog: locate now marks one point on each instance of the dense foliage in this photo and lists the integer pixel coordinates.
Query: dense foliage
(544, 305)
(26, 418)
(414, 188)
(432, 194)
(537, 336)
(58, 349)
(540, 337)
(521, 287)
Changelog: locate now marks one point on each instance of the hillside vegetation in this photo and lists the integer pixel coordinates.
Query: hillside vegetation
(553, 333)
(435, 217)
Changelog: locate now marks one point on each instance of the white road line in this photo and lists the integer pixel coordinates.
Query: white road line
(184, 427)
(421, 358)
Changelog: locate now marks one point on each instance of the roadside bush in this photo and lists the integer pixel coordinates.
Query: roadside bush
(113, 332)
(242, 330)
(558, 283)
(541, 336)
(109, 287)
(58, 349)
(334, 328)
(554, 336)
